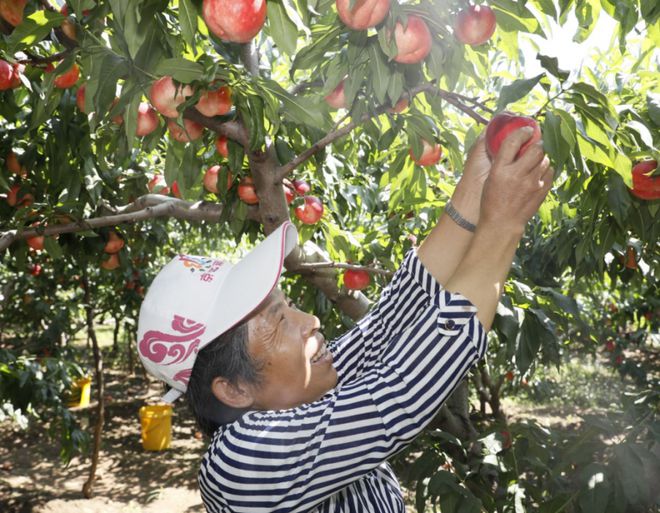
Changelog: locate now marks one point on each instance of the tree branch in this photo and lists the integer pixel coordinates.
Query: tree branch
(312, 268)
(250, 58)
(451, 98)
(233, 130)
(35, 59)
(150, 206)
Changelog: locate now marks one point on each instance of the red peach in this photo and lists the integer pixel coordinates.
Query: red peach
(364, 14)
(413, 42)
(166, 96)
(475, 25)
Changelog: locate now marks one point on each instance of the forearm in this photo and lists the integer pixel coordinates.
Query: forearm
(481, 274)
(446, 245)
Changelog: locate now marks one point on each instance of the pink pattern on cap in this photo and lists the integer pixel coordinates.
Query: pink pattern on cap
(157, 346)
(183, 376)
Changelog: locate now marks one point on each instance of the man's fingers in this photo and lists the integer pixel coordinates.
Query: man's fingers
(532, 157)
(511, 145)
(547, 174)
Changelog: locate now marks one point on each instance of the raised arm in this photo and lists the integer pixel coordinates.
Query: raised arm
(512, 194)
(445, 246)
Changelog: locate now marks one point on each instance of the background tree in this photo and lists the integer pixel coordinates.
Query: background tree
(132, 130)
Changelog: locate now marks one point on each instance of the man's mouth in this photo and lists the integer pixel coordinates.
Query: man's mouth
(321, 354)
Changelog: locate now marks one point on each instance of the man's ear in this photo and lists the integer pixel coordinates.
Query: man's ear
(236, 396)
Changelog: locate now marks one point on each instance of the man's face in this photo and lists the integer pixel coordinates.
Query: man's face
(296, 365)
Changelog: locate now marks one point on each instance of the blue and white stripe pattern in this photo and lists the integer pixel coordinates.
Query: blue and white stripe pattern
(396, 367)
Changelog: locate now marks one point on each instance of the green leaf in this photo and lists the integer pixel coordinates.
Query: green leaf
(52, 247)
(134, 34)
(299, 109)
(130, 119)
(173, 162)
(182, 70)
(516, 90)
(532, 334)
(33, 29)
(618, 199)
(310, 56)
(283, 31)
(188, 20)
(113, 68)
(551, 64)
(380, 73)
(558, 136)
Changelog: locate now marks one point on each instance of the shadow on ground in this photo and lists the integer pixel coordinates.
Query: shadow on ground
(128, 478)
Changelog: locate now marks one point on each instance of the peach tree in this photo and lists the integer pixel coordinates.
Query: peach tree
(131, 130)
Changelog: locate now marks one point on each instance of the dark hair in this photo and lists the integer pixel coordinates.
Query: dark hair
(226, 356)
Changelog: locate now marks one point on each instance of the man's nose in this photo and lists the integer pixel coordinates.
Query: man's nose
(310, 324)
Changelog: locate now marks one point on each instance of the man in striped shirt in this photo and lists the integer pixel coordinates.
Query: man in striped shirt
(301, 425)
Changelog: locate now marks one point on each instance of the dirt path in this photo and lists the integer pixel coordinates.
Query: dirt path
(129, 479)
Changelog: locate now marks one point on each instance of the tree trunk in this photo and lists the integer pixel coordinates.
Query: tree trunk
(100, 409)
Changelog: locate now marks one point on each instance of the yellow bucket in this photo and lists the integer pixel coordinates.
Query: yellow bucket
(156, 421)
(80, 392)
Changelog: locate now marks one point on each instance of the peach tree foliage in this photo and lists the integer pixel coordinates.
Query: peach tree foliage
(597, 121)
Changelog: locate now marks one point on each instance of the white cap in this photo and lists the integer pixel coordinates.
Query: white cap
(194, 299)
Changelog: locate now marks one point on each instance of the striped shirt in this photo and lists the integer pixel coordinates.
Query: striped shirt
(395, 369)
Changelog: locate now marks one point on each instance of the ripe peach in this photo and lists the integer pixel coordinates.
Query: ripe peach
(413, 41)
(166, 96)
(364, 14)
(190, 131)
(234, 20)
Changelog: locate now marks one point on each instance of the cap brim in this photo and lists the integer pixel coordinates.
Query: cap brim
(255, 276)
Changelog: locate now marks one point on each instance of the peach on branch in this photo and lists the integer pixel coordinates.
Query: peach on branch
(211, 179)
(475, 25)
(413, 40)
(12, 11)
(68, 78)
(166, 96)
(310, 211)
(215, 103)
(147, 120)
(356, 279)
(336, 99)
(6, 75)
(157, 185)
(364, 14)
(176, 192)
(645, 186)
(114, 243)
(504, 124)
(247, 192)
(237, 21)
(221, 146)
(431, 154)
(80, 99)
(301, 187)
(190, 131)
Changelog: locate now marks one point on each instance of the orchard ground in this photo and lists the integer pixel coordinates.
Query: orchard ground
(131, 480)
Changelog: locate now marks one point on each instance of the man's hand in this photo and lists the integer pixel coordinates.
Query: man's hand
(512, 193)
(467, 195)
(515, 189)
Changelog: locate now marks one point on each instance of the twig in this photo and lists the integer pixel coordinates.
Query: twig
(312, 268)
(150, 206)
(35, 59)
(230, 129)
(452, 98)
